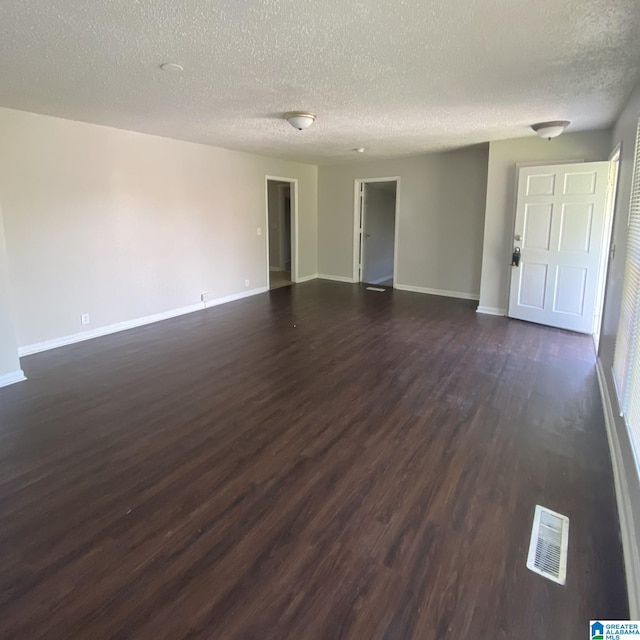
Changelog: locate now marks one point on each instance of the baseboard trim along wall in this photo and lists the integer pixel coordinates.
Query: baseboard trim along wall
(131, 324)
(379, 280)
(491, 311)
(325, 276)
(625, 511)
(12, 378)
(438, 292)
(313, 276)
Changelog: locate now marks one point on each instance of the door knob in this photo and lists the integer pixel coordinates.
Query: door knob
(515, 258)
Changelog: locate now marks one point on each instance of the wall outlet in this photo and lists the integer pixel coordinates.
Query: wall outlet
(246, 283)
(85, 319)
(204, 296)
(259, 231)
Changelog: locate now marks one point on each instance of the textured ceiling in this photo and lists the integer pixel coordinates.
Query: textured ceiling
(397, 77)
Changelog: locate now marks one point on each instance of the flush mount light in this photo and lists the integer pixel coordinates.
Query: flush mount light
(360, 150)
(171, 66)
(300, 119)
(550, 129)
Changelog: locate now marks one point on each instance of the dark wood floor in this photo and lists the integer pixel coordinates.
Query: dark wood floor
(316, 462)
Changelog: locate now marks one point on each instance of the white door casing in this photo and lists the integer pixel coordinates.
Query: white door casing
(358, 225)
(293, 182)
(360, 228)
(560, 215)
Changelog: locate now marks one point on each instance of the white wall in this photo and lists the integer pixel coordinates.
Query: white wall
(501, 199)
(123, 225)
(9, 364)
(380, 222)
(441, 198)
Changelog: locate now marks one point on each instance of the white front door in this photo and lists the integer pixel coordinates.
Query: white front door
(560, 216)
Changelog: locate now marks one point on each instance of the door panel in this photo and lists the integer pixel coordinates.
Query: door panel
(570, 290)
(580, 183)
(576, 221)
(533, 285)
(542, 185)
(560, 216)
(537, 226)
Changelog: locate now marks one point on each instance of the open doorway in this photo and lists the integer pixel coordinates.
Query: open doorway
(281, 197)
(376, 219)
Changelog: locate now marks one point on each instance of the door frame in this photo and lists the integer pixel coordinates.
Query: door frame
(608, 249)
(514, 206)
(543, 163)
(358, 245)
(294, 225)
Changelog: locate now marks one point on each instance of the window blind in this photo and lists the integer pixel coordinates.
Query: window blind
(626, 362)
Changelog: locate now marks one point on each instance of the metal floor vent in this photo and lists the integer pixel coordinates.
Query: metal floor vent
(549, 543)
(375, 289)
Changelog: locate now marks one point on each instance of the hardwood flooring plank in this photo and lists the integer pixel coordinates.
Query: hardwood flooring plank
(312, 463)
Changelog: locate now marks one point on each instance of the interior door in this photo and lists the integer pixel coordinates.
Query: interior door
(560, 216)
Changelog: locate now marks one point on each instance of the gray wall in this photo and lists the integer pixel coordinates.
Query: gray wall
(379, 240)
(124, 225)
(441, 200)
(585, 146)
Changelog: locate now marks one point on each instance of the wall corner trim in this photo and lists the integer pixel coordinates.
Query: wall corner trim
(625, 510)
(326, 276)
(491, 311)
(132, 324)
(313, 276)
(437, 292)
(12, 378)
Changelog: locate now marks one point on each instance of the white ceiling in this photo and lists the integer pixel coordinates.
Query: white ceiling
(398, 77)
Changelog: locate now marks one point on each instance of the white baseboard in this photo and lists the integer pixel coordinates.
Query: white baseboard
(492, 311)
(233, 297)
(131, 324)
(307, 278)
(325, 276)
(625, 511)
(12, 378)
(379, 280)
(438, 292)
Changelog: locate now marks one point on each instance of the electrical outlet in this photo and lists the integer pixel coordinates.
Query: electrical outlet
(246, 283)
(259, 231)
(85, 319)
(204, 296)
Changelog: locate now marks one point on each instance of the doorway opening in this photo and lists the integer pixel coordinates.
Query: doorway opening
(281, 231)
(376, 231)
(560, 234)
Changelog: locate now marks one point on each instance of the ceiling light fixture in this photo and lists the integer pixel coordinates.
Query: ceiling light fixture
(360, 150)
(550, 129)
(300, 119)
(171, 66)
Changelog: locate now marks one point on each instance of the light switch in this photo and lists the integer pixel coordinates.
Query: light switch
(259, 231)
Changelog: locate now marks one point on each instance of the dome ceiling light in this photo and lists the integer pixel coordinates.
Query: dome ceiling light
(300, 119)
(550, 129)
